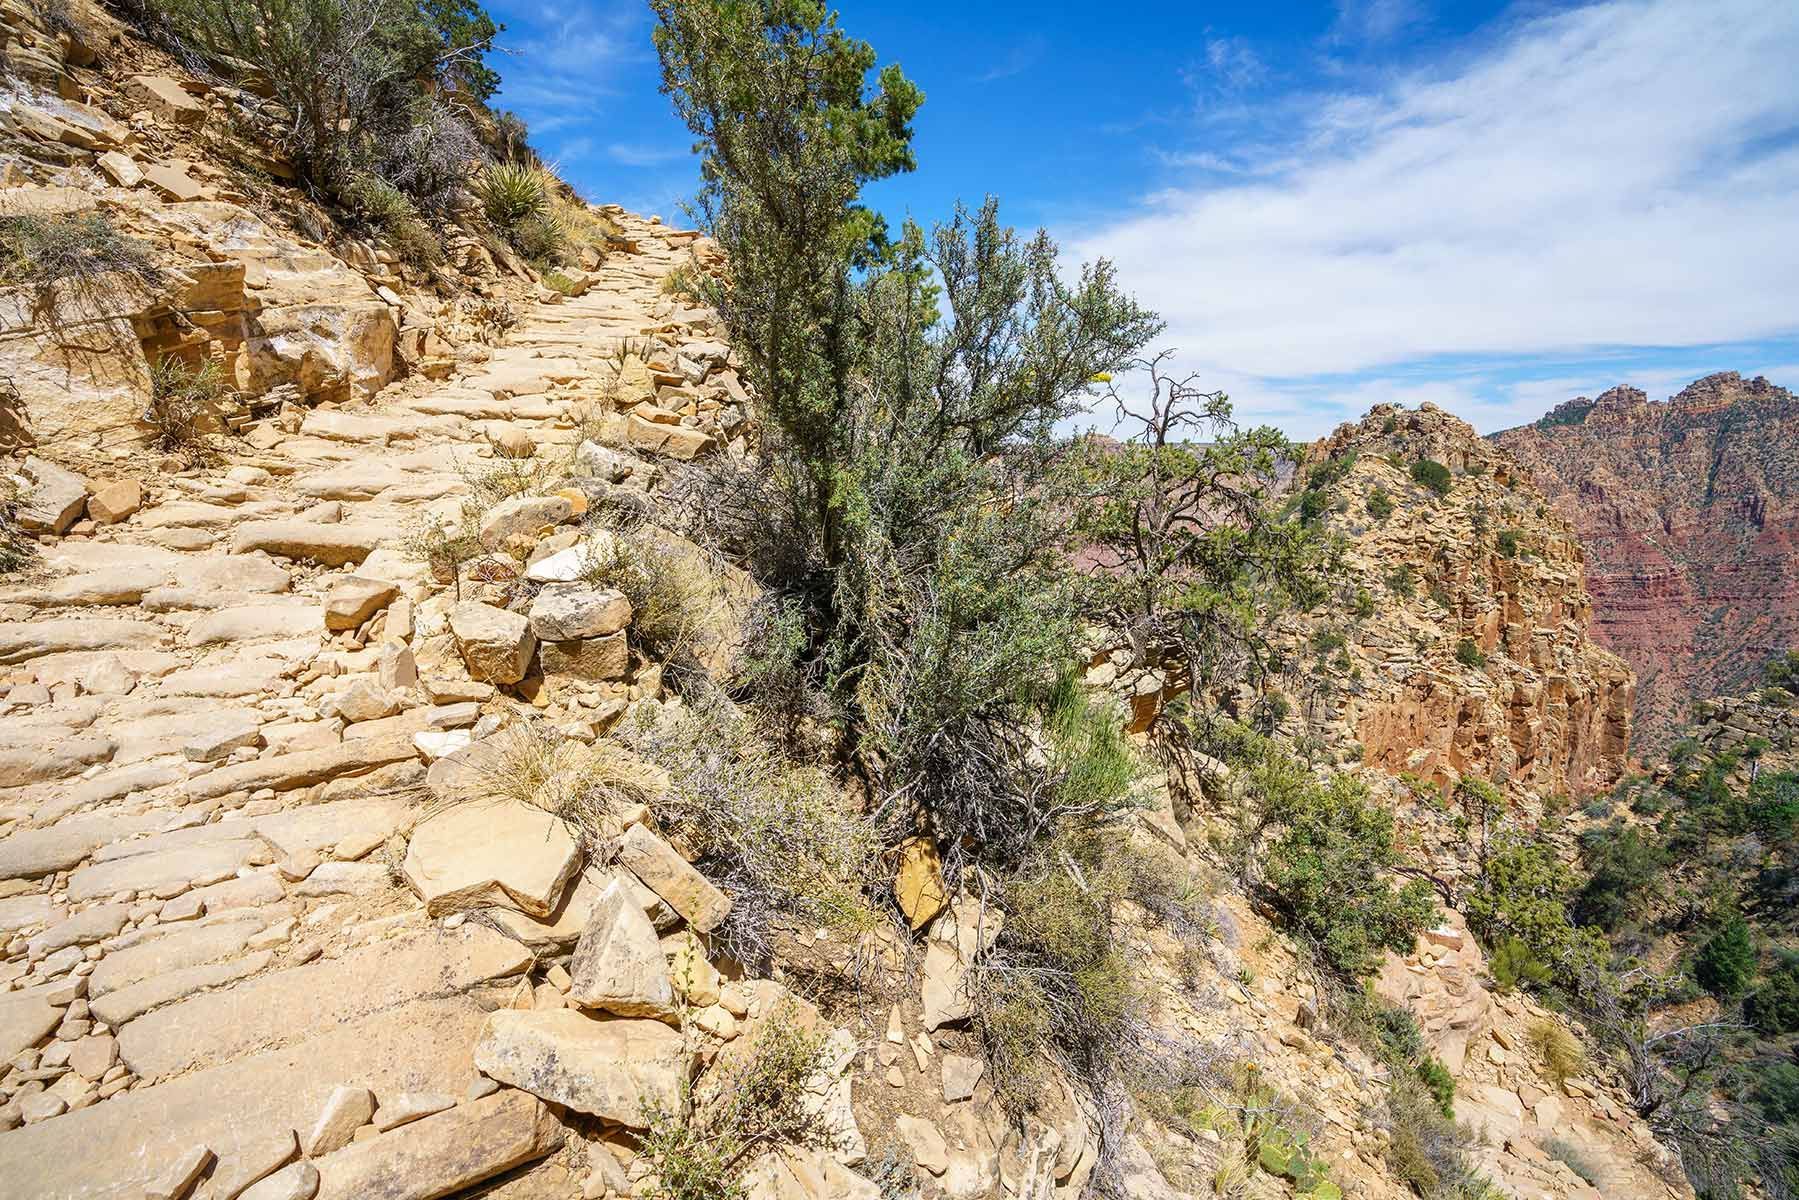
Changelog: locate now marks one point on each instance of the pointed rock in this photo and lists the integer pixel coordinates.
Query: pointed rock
(618, 964)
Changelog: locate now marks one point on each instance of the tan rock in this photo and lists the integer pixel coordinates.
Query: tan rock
(115, 501)
(177, 1179)
(610, 1068)
(668, 875)
(494, 852)
(172, 180)
(618, 964)
(518, 516)
(408, 1107)
(564, 612)
(591, 659)
(794, 1174)
(296, 1181)
(960, 1075)
(254, 1160)
(346, 1111)
(353, 600)
(497, 645)
(52, 498)
(925, 1141)
(918, 884)
(331, 545)
(443, 1154)
(166, 98)
(121, 168)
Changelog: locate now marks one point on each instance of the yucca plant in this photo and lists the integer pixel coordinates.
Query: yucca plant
(512, 193)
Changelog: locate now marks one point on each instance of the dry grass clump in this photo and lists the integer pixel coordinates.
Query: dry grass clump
(181, 398)
(590, 787)
(778, 838)
(669, 592)
(16, 547)
(1557, 1051)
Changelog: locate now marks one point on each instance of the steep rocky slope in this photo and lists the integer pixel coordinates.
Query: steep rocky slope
(1688, 509)
(1471, 653)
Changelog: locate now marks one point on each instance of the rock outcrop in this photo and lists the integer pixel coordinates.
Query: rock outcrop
(1688, 510)
(1474, 657)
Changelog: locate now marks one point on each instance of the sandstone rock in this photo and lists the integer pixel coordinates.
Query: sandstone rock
(668, 875)
(793, 1174)
(964, 931)
(674, 441)
(297, 1181)
(251, 1162)
(443, 1154)
(366, 700)
(303, 768)
(960, 1075)
(593, 659)
(134, 1000)
(495, 852)
(509, 441)
(410, 1106)
(164, 97)
(564, 612)
(522, 515)
(172, 180)
(330, 545)
(115, 501)
(609, 1068)
(52, 498)
(494, 643)
(218, 740)
(925, 1141)
(348, 1109)
(353, 600)
(24, 1020)
(918, 884)
(177, 1179)
(618, 964)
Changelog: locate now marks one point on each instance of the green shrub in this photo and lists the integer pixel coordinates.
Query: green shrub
(391, 212)
(699, 1149)
(1725, 964)
(1363, 605)
(1433, 475)
(1440, 597)
(1521, 892)
(513, 193)
(1507, 543)
(1380, 504)
(669, 595)
(1776, 1093)
(1403, 582)
(1782, 672)
(1441, 1084)
(1514, 965)
(1326, 872)
(1774, 1005)
(543, 240)
(1468, 654)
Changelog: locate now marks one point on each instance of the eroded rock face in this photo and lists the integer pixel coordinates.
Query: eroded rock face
(1486, 667)
(1688, 510)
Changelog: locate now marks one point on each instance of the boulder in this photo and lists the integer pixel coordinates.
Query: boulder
(522, 515)
(115, 501)
(495, 644)
(353, 600)
(668, 875)
(166, 99)
(564, 612)
(610, 1068)
(593, 659)
(331, 545)
(918, 884)
(618, 964)
(52, 498)
(444, 1154)
(491, 852)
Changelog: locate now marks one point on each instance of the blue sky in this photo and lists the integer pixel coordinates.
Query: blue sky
(1491, 206)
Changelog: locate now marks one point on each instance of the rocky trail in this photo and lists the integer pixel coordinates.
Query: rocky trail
(222, 691)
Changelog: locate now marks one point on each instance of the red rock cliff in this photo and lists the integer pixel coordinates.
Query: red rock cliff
(1689, 512)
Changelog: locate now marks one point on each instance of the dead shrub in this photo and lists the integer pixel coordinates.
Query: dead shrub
(182, 397)
(1557, 1051)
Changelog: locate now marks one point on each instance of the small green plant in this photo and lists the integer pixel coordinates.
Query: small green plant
(1433, 475)
(1436, 1077)
(556, 281)
(1514, 966)
(391, 213)
(1507, 543)
(1402, 582)
(1363, 604)
(1725, 964)
(1380, 504)
(541, 239)
(1468, 654)
(181, 398)
(756, 1099)
(512, 193)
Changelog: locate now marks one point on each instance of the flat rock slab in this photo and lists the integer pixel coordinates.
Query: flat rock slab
(328, 545)
(134, 1000)
(24, 1018)
(36, 852)
(21, 641)
(109, 1151)
(321, 826)
(287, 1005)
(670, 876)
(493, 852)
(610, 1068)
(193, 866)
(444, 1153)
(303, 768)
(179, 947)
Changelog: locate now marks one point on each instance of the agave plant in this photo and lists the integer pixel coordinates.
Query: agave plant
(512, 193)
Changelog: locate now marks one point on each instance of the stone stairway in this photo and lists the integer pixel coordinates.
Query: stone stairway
(205, 791)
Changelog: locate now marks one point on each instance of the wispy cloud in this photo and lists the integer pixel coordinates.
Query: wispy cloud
(1375, 20)
(1617, 175)
(627, 155)
(1017, 60)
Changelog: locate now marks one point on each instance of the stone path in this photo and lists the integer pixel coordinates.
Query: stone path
(212, 749)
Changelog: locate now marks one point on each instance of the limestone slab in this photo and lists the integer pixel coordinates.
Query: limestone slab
(610, 1068)
(443, 1154)
(670, 876)
(488, 852)
(618, 965)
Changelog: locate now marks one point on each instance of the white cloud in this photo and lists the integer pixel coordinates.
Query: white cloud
(1374, 20)
(1622, 174)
